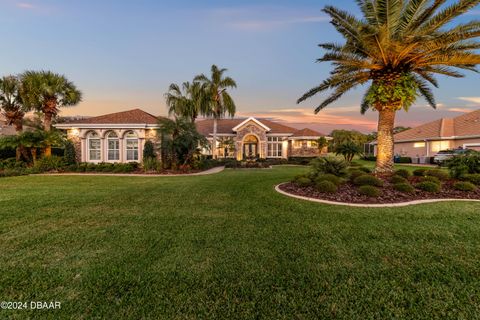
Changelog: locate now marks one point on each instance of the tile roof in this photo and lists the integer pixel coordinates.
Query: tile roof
(465, 125)
(225, 126)
(305, 132)
(135, 116)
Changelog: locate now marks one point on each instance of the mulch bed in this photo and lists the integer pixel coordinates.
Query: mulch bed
(348, 193)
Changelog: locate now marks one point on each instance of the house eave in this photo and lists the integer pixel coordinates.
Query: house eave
(434, 139)
(106, 126)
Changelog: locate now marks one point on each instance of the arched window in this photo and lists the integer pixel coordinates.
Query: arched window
(113, 147)
(131, 143)
(94, 146)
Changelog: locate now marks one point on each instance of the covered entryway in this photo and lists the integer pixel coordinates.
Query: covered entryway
(250, 147)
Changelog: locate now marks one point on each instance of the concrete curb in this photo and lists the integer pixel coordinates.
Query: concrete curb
(203, 173)
(361, 205)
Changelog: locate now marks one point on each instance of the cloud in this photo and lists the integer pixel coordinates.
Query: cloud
(265, 25)
(475, 100)
(25, 5)
(462, 110)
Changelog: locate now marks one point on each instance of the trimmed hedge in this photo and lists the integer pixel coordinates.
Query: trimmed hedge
(403, 173)
(419, 172)
(329, 177)
(398, 179)
(404, 187)
(429, 186)
(303, 182)
(471, 177)
(440, 174)
(465, 186)
(326, 186)
(431, 179)
(368, 180)
(369, 191)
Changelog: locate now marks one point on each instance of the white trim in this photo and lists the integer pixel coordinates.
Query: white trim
(279, 134)
(248, 120)
(361, 205)
(106, 126)
(466, 145)
(308, 138)
(433, 139)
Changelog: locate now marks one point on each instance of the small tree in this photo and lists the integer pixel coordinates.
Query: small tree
(322, 143)
(149, 150)
(348, 150)
(70, 154)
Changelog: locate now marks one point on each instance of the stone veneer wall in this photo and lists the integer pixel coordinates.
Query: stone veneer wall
(75, 139)
(304, 151)
(251, 128)
(154, 136)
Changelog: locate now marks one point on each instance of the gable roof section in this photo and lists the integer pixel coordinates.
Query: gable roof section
(226, 126)
(306, 132)
(462, 126)
(241, 124)
(135, 116)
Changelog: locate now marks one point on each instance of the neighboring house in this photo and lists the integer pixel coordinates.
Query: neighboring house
(443, 134)
(120, 137)
(6, 130)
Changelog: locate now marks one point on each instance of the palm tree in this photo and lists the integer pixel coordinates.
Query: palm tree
(47, 92)
(397, 48)
(187, 101)
(11, 102)
(219, 101)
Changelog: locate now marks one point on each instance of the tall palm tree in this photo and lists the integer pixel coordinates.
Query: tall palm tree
(220, 102)
(397, 48)
(187, 101)
(47, 92)
(11, 102)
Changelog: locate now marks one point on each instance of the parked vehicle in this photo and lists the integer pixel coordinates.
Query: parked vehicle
(445, 155)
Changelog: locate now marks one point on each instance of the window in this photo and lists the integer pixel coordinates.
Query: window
(440, 145)
(419, 145)
(131, 146)
(113, 147)
(312, 144)
(274, 147)
(94, 147)
(297, 144)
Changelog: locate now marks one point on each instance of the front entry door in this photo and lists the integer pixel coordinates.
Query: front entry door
(249, 150)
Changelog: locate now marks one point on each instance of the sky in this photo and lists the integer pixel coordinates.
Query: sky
(124, 54)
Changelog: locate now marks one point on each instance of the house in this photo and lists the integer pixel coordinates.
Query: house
(5, 129)
(447, 133)
(120, 137)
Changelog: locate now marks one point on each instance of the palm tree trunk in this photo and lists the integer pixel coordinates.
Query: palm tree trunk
(214, 142)
(47, 126)
(33, 151)
(20, 149)
(386, 123)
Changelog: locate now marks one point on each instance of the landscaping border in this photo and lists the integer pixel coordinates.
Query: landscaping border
(202, 173)
(366, 205)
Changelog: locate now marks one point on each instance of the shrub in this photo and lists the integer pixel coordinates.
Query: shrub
(365, 169)
(464, 186)
(368, 180)
(428, 186)
(329, 177)
(398, 179)
(329, 165)
(403, 160)
(370, 158)
(369, 191)
(149, 150)
(69, 153)
(50, 163)
(12, 172)
(404, 187)
(419, 172)
(12, 163)
(465, 164)
(471, 177)
(303, 182)
(355, 173)
(326, 186)
(440, 174)
(431, 179)
(403, 173)
(150, 164)
(355, 164)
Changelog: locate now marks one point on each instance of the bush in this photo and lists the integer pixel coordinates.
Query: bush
(150, 164)
(365, 169)
(303, 182)
(398, 179)
(368, 180)
(440, 174)
(149, 150)
(370, 158)
(404, 187)
(329, 177)
(69, 153)
(12, 163)
(428, 186)
(303, 161)
(403, 160)
(13, 172)
(329, 165)
(431, 179)
(369, 191)
(419, 172)
(52, 163)
(465, 164)
(464, 186)
(403, 173)
(355, 173)
(471, 177)
(326, 186)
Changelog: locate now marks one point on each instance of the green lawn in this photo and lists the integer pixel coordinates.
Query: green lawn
(228, 246)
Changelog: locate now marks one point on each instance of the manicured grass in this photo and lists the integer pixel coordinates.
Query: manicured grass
(228, 246)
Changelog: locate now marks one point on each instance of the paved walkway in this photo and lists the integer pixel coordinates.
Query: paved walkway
(202, 173)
